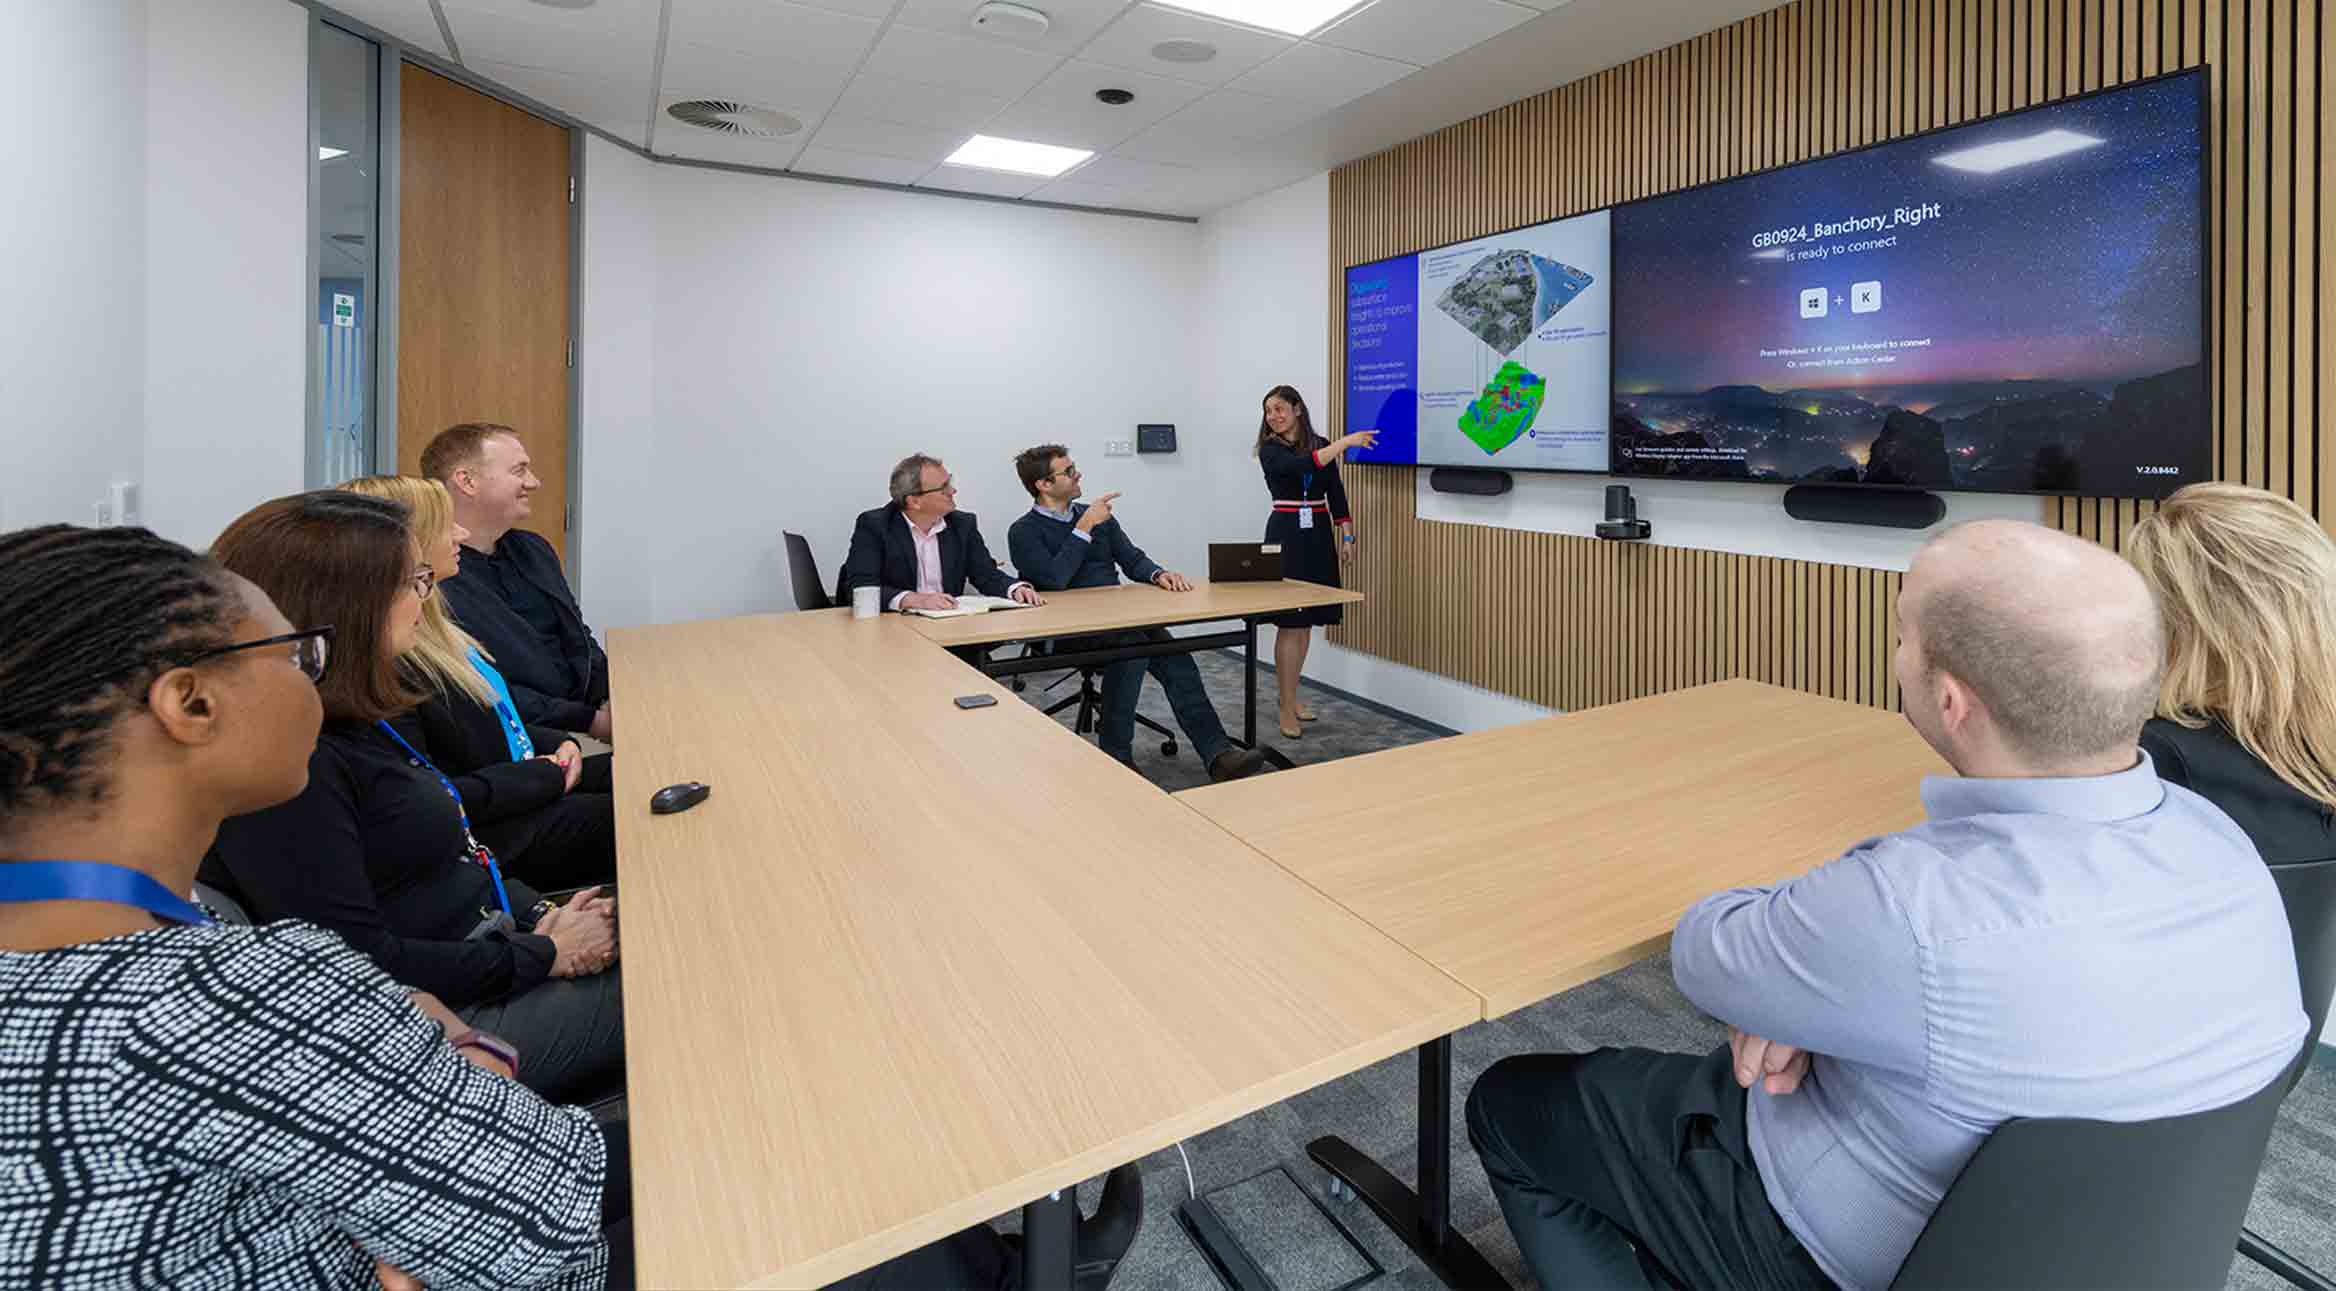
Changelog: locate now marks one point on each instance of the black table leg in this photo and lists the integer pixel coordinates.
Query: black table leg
(1423, 1219)
(1050, 1228)
(2261, 1251)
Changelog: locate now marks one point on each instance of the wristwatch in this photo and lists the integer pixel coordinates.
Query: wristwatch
(490, 1044)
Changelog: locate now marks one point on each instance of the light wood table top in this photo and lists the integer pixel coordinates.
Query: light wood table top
(909, 967)
(1531, 858)
(1129, 605)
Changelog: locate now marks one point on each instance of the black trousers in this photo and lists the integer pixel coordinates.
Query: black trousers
(1123, 686)
(561, 845)
(1630, 1168)
(570, 1032)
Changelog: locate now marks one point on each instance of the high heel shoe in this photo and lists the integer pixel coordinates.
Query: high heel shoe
(1290, 730)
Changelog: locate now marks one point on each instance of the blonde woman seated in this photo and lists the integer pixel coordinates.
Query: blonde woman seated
(2247, 711)
(531, 793)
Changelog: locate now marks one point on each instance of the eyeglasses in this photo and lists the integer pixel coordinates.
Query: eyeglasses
(946, 486)
(425, 582)
(311, 650)
(1069, 473)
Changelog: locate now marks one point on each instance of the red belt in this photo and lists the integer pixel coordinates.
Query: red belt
(1322, 504)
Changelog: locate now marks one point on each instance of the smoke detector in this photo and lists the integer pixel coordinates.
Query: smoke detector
(1115, 98)
(1010, 22)
(728, 117)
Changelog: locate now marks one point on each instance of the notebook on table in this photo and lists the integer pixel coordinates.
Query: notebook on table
(972, 605)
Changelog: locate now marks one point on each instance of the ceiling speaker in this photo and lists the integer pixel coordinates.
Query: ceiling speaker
(1184, 51)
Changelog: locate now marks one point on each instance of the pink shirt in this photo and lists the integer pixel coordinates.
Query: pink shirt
(928, 545)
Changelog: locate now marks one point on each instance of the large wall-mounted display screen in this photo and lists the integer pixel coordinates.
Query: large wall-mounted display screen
(1492, 352)
(2014, 305)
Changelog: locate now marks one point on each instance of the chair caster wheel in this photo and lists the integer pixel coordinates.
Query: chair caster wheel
(1019, 685)
(1167, 748)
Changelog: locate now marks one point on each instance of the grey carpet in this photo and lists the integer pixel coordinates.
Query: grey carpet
(1375, 1108)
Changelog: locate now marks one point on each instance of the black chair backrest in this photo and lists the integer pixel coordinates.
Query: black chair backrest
(803, 572)
(2069, 1203)
(2309, 893)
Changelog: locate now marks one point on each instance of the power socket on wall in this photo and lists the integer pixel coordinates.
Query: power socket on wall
(1119, 448)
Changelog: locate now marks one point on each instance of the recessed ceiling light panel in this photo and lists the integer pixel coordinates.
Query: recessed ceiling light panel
(567, 4)
(728, 116)
(1016, 156)
(1290, 17)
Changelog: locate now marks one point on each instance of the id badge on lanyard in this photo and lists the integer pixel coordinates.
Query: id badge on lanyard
(1305, 504)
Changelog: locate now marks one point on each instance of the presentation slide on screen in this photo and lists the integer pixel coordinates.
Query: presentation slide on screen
(1486, 353)
(2009, 306)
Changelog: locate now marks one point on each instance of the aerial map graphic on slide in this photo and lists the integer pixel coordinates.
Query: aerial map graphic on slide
(1504, 296)
(1505, 410)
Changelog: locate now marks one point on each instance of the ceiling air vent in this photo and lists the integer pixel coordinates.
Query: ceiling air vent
(734, 118)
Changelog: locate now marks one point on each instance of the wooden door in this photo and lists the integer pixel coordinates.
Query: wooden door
(484, 223)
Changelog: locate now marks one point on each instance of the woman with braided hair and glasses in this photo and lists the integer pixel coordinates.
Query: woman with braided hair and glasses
(189, 1104)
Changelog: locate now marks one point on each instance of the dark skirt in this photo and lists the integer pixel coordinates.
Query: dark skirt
(1310, 555)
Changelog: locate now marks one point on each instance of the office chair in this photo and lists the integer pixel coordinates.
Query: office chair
(2074, 1203)
(1089, 698)
(2309, 893)
(803, 572)
(221, 904)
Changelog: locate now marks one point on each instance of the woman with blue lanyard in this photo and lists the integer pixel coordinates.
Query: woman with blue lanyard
(379, 847)
(1309, 500)
(531, 793)
(188, 1103)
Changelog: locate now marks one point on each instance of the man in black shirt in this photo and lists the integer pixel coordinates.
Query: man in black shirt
(511, 593)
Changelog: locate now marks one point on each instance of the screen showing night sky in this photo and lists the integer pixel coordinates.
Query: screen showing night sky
(2008, 306)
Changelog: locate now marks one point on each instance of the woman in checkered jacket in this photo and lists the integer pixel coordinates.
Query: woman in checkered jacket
(187, 1104)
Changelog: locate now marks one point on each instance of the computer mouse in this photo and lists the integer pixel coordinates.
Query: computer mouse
(678, 797)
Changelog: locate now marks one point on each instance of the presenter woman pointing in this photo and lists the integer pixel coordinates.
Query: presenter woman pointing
(1309, 504)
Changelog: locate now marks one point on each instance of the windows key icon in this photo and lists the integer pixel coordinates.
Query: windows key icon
(1865, 297)
(1812, 302)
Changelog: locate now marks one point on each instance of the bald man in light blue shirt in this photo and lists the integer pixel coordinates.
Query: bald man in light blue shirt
(2065, 936)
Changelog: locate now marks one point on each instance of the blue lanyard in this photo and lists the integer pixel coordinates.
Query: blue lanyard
(514, 731)
(478, 850)
(94, 881)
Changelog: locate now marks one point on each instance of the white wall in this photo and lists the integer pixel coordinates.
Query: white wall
(72, 346)
(150, 320)
(808, 336)
(228, 308)
(618, 540)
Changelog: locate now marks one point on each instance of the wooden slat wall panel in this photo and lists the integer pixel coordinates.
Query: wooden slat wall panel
(1574, 622)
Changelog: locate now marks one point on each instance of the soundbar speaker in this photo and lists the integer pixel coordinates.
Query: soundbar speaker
(1481, 481)
(1886, 508)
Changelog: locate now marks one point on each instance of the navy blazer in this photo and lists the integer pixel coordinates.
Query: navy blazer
(883, 555)
(558, 683)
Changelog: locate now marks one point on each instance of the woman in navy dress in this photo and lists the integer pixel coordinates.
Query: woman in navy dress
(1311, 521)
